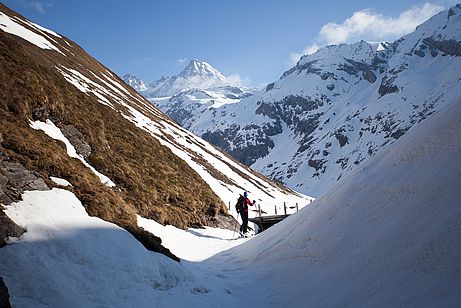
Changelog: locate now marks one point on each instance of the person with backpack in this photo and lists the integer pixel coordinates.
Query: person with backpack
(242, 209)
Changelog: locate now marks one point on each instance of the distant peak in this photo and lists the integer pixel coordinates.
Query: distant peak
(201, 69)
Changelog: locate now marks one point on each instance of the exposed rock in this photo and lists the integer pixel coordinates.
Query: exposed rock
(8, 229)
(43, 113)
(343, 140)
(4, 296)
(420, 53)
(354, 67)
(151, 242)
(398, 133)
(270, 87)
(15, 179)
(387, 86)
(77, 139)
(450, 47)
(318, 165)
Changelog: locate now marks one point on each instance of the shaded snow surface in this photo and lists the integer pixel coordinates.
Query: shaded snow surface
(388, 236)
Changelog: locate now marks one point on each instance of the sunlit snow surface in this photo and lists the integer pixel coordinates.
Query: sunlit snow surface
(12, 25)
(59, 181)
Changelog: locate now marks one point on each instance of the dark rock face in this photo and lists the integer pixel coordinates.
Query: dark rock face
(8, 229)
(270, 87)
(354, 68)
(15, 179)
(449, 47)
(43, 113)
(387, 86)
(307, 68)
(77, 139)
(4, 296)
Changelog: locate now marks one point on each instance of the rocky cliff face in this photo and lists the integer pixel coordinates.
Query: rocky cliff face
(336, 108)
(64, 115)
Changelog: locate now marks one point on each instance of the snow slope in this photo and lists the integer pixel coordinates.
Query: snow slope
(387, 236)
(68, 259)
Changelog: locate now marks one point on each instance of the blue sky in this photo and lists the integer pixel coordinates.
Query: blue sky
(253, 40)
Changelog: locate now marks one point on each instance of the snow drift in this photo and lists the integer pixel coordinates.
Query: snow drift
(388, 235)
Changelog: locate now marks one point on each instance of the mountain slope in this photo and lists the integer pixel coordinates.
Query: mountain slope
(385, 236)
(61, 110)
(340, 106)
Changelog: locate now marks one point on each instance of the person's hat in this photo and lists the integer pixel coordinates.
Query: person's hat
(245, 194)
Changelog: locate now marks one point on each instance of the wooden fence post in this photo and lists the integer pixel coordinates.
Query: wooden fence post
(297, 209)
(285, 208)
(275, 206)
(229, 206)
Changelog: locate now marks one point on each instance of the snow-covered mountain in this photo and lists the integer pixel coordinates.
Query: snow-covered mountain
(135, 82)
(198, 89)
(339, 106)
(196, 75)
(64, 116)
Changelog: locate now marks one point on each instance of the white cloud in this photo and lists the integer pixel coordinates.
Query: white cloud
(370, 26)
(237, 80)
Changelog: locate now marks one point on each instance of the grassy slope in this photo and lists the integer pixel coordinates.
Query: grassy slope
(151, 181)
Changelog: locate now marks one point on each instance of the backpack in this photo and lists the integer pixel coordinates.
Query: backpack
(240, 204)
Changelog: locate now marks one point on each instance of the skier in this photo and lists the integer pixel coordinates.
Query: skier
(242, 209)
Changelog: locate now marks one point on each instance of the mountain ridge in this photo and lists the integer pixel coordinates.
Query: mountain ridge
(337, 107)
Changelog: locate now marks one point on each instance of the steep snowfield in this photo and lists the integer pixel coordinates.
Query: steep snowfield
(387, 236)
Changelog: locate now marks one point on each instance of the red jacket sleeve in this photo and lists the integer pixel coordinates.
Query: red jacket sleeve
(248, 201)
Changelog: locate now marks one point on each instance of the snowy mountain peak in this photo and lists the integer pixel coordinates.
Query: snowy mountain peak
(196, 76)
(134, 82)
(201, 69)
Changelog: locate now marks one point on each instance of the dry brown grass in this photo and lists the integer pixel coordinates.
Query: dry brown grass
(151, 181)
